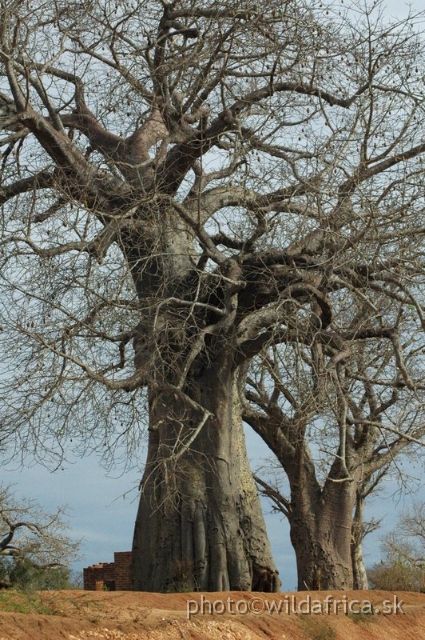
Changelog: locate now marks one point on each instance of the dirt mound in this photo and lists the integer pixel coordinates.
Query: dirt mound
(91, 615)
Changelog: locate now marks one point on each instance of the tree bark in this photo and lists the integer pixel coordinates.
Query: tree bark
(360, 580)
(199, 524)
(320, 515)
(321, 536)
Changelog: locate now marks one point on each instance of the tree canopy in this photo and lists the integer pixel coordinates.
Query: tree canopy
(194, 193)
(35, 548)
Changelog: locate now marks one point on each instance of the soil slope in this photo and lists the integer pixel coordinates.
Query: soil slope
(90, 615)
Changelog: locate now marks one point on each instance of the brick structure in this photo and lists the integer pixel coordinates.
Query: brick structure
(112, 576)
(122, 562)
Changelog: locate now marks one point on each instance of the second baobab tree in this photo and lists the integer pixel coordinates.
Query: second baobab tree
(180, 183)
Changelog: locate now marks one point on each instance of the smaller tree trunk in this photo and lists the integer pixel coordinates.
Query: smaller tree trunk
(360, 580)
(323, 556)
(320, 528)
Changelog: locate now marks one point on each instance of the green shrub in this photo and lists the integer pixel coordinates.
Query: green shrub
(395, 576)
(23, 575)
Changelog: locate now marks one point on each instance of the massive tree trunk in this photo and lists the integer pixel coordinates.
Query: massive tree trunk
(200, 525)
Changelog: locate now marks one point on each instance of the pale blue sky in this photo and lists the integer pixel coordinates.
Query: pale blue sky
(102, 507)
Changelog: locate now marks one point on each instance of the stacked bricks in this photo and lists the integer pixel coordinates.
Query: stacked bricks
(122, 562)
(99, 577)
(110, 576)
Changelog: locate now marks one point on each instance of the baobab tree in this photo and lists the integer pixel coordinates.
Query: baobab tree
(335, 441)
(182, 185)
(281, 503)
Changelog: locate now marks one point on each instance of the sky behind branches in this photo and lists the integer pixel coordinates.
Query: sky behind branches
(102, 505)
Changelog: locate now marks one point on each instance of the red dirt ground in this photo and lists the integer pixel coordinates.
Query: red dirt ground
(120, 615)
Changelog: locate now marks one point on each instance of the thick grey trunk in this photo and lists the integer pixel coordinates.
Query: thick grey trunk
(322, 560)
(199, 524)
(321, 536)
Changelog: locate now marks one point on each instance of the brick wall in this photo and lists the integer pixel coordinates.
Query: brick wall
(99, 576)
(113, 576)
(122, 562)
